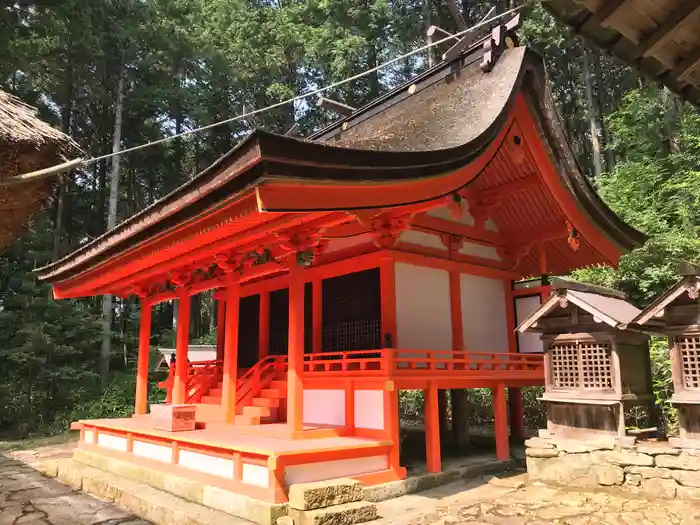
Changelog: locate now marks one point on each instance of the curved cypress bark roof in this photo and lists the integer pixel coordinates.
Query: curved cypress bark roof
(426, 135)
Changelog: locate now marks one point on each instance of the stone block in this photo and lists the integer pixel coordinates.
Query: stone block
(579, 447)
(659, 488)
(682, 461)
(48, 467)
(252, 509)
(70, 474)
(321, 494)
(687, 478)
(688, 493)
(345, 514)
(654, 449)
(541, 452)
(651, 472)
(633, 479)
(622, 458)
(570, 469)
(608, 475)
(285, 520)
(538, 442)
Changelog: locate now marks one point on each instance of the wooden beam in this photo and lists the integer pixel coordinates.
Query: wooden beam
(607, 10)
(683, 70)
(335, 106)
(665, 31)
(470, 233)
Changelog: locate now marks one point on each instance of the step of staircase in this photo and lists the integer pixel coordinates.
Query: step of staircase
(271, 402)
(216, 392)
(346, 513)
(279, 384)
(211, 400)
(208, 413)
(273, 393)
(158, 506)
(257, 411)
(245, 419)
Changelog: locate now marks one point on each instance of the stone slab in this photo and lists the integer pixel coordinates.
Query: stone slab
(345, 514)
(311, 496)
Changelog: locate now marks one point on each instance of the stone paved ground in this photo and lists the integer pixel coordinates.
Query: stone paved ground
(28, 498)
(513, 501)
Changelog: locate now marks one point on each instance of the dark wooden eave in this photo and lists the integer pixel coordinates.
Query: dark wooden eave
(660, 38)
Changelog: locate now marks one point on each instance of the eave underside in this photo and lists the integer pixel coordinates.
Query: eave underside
(660, 38)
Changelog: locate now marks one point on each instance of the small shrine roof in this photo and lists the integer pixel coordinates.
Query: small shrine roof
(689, 283)
(606, 305)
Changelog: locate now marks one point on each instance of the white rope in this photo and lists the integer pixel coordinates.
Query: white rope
(284, 102)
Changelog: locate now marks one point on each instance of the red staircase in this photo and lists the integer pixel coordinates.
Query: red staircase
(261, 392)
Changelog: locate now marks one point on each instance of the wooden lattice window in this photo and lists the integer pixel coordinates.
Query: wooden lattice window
(595, 365)
(689, 350)
(565, 371)
(581, 365)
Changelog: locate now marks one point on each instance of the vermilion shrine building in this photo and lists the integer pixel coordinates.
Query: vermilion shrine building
(379, 255)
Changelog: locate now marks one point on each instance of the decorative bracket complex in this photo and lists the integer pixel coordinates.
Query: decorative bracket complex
(305, 245)
(574, 237)
(386, 231)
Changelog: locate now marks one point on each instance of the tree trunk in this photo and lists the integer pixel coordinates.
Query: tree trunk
(460, 418)
(592, 117)
(608, 153)
(107, 311)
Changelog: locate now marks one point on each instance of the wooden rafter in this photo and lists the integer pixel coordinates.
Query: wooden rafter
(665, 31)
(427, 223)
(607, 11)
(683, 70)
(504, 190)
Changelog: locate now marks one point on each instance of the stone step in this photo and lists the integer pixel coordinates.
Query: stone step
(344, 514)
(157, 506)
(237, 505)
(321, 494)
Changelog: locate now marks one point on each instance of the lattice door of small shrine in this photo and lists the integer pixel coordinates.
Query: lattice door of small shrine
(581, 365)
(352, 317)
(688, 348)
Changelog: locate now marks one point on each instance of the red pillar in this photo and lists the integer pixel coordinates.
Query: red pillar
(500, 422)
(264, 326)
(295, 348)
(517, 414)
(182, 343)
(228, 394)
(220, 327)
(142, 364)
(431, 421)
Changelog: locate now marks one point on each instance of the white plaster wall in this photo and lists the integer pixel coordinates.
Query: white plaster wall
(369, 409)
(152, 451)
(484, 314)
(422, 308)
(255, 475)
(112, 442)
(423, 239)
(324, 407)
(479, 250)
(213, 465)
(529, 342)
(342, 468)
(89, 436)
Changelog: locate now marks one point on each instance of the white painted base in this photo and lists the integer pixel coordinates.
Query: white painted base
(341, 468)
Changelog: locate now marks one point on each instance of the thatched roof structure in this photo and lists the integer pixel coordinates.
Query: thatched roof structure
(26, 144)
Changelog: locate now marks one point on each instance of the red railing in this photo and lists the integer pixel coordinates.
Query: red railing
(201, 377)
(370, 362)
(458, 361)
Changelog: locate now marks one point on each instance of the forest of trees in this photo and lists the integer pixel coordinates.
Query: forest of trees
(113, 74)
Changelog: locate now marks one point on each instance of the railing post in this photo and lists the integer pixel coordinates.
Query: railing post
(389, 360)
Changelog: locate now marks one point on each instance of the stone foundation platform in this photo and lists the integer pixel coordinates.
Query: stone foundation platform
(647, 469)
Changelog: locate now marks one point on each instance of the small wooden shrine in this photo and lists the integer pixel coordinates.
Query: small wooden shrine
(595, 368)
(378, 255)
(676, 314)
